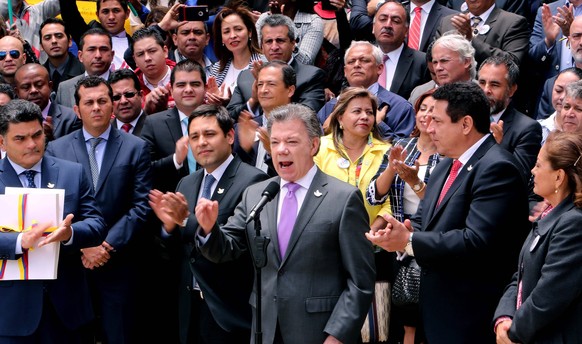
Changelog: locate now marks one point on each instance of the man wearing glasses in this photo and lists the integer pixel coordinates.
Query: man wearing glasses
(127, 105)
(11, 57)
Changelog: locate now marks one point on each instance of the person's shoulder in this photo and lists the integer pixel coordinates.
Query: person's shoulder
(160, 116)
(65, 166)
(131, 140)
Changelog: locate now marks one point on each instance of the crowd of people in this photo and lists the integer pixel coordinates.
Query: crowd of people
(418, 166)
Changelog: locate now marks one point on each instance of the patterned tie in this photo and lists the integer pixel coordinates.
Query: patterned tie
(126, 127)
(191, 160)
(208, 181)
(414, 33)
(474, 23)
(93, 161)
(382, 78)
(29, 174)
(288, 217)
(452, 176)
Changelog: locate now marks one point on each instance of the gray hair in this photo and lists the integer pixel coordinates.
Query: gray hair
(574, 90)
(292, 111)
(455, 42)
(277, 20)
(376, 51)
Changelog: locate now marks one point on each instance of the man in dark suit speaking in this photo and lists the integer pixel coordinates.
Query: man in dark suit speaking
(211, 309)
(318, 282)
(51, 311)
(470, 225)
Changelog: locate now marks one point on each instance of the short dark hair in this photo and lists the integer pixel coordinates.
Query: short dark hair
(466, 99)
(90, 82)
(508, 62)
(187, 66)
(8, 90)
(289, 74)
(18, 111)
(123, 4)
(124, 74)
(52, 20)
(147, 32)
(225, 122)
(97, 32)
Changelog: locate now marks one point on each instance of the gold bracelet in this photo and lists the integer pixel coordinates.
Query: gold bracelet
(421, 189)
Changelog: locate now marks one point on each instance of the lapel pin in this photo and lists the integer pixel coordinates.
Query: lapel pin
(220, 191)
(469, 168)
(484, 29)
(50, 185)
(317, 193)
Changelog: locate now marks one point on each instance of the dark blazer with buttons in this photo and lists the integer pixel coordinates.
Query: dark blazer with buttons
(73, 68)
(549, 270)
(22, 301)
(410, 72)
(324, 283)
(65, 120)
(161, 131)
(508, 35)
(469, 244)
(229, 305)
(546, 62)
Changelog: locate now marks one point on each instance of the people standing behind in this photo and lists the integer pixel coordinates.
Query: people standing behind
(127, 101)
(563, 80)
(96, 56)
(33, 84)
(119, 166)
(404, 67)
(402, 178)
(571, 114)
(57, 309)
(542, 302)
(28, 18)
(211, 310)
(55, 41)
(278, 43)
(12, 57)
(363, 66)
(153, 69)
(275, 86)
(468, 228)
(236, 47)
(303, 300)
(514, 131)
(309, 27)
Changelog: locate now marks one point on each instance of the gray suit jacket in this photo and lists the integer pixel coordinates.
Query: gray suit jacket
(508, 35)
(324, 284)
(548, 269)
(65, 120)
(66, 91)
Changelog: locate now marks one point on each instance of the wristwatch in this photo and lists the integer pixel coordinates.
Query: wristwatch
(418, 186)
(408, 247)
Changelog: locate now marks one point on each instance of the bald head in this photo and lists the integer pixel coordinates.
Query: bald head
(32, 83)
(12, 56)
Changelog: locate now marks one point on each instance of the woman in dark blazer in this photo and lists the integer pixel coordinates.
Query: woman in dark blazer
(543, 302)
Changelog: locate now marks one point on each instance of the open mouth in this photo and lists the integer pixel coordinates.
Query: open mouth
(285, 164)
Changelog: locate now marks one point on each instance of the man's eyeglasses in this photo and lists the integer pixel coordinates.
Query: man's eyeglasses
(13, 54)
(127, 95)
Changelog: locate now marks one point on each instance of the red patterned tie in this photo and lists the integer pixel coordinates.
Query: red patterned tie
(414, 33)
(126, 127)
(452, 176)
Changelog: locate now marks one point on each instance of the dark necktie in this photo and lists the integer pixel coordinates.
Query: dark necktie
(208, 181)
(288, 216)
(56, 79)
(452, 176)
(29, 174)
(93, 160)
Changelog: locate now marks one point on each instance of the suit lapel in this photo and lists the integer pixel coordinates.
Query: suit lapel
(112, 147)
(49, 172)
(8, 176)
(491, 22)
(81, 154)
(431, 22)
(404, 63)
(226, 181)
(436, 179)
(507, 119)
(55, 114)
(174, 125)
(310, 205)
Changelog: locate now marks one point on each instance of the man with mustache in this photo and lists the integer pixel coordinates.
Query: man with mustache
(514, 131)
(404, 67)
(127, 96)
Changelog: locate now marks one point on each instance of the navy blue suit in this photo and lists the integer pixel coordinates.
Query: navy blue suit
(122, 196)
(65, 120)
(22, 301)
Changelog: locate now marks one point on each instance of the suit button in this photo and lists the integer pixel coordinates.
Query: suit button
(188, 287)
(557, 67)
(274, 299)
(192, 260)
(543, 58)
